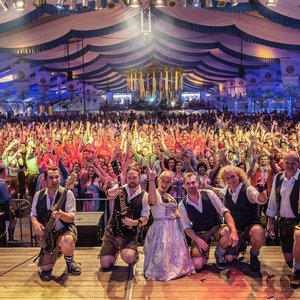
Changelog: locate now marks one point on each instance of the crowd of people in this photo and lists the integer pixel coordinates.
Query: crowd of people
(191, 171)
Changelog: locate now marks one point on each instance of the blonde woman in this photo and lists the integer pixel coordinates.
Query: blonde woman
(166, 252)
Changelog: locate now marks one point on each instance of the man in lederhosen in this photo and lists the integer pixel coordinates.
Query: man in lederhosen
(284, 203)
(65, 229)
(121, 232)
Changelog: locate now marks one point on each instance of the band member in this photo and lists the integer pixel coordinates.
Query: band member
(166, 252)
(284, 204)
(65, 230)
(243, 201)
(121, 232)
(201, 212)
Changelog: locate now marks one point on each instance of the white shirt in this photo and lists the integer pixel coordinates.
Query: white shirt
(70, 206)
(251, 191)
(285, 192)
(215, 201)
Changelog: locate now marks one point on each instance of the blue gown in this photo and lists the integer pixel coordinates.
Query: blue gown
(166, 252)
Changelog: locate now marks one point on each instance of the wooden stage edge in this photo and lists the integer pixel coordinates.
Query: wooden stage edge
(19, 279)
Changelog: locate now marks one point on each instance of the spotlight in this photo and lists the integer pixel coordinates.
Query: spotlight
(134, 3)
(208, 4)
(110, 4)
(196, 3)
(98, 5)
(19, 4)
(159, 3)
(221, 3)
(234, 2)
(72, 5)
(271, 2)
(4, 5)
(60, 4)
(85, 4)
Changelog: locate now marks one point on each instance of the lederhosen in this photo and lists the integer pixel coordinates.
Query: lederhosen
(206, 224)
(42, 216)
(287, 225)
(245, 214)
(114, 240)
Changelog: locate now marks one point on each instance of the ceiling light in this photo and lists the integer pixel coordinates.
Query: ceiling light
(19, 4)
(4, 5)
(271, 2)
(60, 4)
(234, 2)
(159, 3)
(134, 3)
(196, 3)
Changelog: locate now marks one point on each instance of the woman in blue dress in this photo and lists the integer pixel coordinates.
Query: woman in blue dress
(166, 252)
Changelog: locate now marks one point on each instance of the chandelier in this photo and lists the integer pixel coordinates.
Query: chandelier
(155, 81)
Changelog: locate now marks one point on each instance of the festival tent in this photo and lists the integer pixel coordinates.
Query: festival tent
(45, 51)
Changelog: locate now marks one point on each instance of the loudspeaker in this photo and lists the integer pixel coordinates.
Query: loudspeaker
(88, 227)
(2, 230)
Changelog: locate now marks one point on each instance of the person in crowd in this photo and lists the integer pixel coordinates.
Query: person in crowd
(65, 229)
(243, 201)
(285, 205)
(166, 252)
(201, 212)
(6, 206)
(121, 233)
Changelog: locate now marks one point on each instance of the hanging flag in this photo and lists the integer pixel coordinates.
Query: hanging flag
(58, 83)
(231, 88)
(290, 70)
(267, 80)
(240, 87)
(176, 80)
(72, 88)
(223, 90)
(21, 76)
(252, 83)
(43, 81)
(153, 84)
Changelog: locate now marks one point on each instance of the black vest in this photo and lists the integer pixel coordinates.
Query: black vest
(243, 211)
(207, 219)
(42, 211)
(294, 196)
(135, 207)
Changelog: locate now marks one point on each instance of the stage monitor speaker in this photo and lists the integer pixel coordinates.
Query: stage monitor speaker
(2, 230)
(88, 226)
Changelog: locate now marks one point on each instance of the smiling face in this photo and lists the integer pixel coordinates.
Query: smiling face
(164, 182)
(291, 162)
(191, 184)
(232, 180)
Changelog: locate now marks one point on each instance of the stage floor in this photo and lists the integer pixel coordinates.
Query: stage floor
(19, 279)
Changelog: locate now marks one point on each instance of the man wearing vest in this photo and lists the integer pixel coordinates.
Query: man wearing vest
(121, 232)
(243, 201)
(284, 204)
(201, 212)
(64, 223)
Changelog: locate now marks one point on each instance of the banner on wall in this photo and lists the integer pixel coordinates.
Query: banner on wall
(290, 70)
(21, 76)
(267, 80)
(43, 79)
(240, 87)
(231, 88)
(72, 88)
(252, 83)
(223, 89)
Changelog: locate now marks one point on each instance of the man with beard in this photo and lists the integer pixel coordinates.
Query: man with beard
(201, 212)
(121, 232)
(284, 204)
